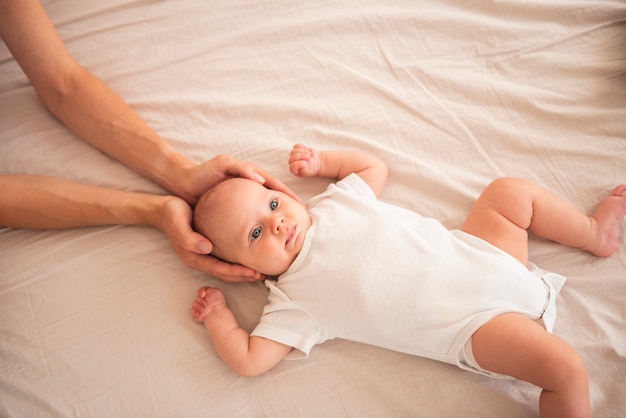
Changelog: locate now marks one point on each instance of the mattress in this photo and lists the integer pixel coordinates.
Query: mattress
(450, 94)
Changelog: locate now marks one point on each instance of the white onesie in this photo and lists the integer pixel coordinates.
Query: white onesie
(383, 275)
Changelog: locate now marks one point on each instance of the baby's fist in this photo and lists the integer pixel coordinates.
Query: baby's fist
(304, 161)
(208, 302)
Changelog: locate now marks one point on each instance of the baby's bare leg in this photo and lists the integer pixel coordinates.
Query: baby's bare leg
(514, 345)
(509, 207)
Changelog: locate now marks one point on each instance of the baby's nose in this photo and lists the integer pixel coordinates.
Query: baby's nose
(278, 222)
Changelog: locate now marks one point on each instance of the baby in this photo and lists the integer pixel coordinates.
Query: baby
(353, 267)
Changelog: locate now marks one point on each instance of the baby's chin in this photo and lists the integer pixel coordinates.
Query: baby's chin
(275, 271)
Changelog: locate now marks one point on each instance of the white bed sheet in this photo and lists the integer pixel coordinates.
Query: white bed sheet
(451, 94)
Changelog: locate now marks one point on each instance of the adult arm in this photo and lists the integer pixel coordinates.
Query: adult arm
(87, 106)
(42, 202)
(101, 118)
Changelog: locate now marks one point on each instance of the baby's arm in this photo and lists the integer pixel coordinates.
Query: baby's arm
(308, 162)
(246, 355)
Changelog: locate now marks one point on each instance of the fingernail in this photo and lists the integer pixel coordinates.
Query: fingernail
(204, 247)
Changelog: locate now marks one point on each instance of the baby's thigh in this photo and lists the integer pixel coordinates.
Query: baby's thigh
(501, 215)
(514, 345)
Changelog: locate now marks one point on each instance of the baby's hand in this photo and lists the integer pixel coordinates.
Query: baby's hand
(304, 161)
(208, 302)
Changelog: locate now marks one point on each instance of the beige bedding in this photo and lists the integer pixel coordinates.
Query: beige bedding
(451, 94)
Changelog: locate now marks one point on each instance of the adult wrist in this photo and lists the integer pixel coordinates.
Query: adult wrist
(173, 174)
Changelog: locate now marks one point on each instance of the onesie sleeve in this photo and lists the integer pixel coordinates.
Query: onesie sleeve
(288, 323)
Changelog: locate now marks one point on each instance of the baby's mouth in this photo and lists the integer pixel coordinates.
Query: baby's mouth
(292, 233)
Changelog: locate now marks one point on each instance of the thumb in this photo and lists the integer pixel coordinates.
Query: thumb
(202, 245)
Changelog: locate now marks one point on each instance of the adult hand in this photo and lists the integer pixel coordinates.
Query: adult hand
(197, 179)
(101, 118)
(193, 248)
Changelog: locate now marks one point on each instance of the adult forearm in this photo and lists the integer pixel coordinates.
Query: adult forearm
(101, 118)
(86, 105)
(40, 202)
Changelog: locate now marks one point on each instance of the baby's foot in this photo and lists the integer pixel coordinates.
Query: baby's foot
(208, 302)
(608, 216)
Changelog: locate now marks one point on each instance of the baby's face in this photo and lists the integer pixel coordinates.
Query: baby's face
(261, 228)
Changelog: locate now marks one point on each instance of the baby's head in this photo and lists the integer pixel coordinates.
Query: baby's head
(251, 225)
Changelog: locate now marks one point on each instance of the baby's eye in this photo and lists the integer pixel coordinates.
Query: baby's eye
(273, 204)
(256, 232)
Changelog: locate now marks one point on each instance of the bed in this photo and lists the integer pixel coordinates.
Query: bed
(451, 94)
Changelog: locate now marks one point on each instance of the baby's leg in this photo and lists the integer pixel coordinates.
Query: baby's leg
(509, 207)
(516, 346)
